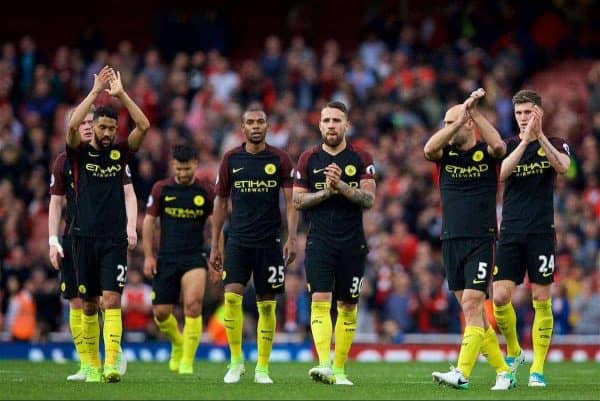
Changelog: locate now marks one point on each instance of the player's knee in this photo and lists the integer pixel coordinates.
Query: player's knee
(89, 307)
(502, 295)
(75, 303)
(472, 308)
(161, 314)
(192, 308)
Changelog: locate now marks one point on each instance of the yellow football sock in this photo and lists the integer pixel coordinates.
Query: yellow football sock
(265, 331)
(469, 349)
(169, 328)
(490, 348)
(345, 327)
(113, 330)
(90, 329)
(506, 319)
(234, 318)
(321, 327)
(76, 326)
(541, 334)
(192, 330)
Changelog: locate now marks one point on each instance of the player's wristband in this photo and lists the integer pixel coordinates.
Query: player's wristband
(53, 241)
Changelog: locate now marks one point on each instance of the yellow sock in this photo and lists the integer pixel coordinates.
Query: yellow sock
(265, 331)
(507, 323)
(469, 350)
(321, 328)
(113, 330)
(76, 326)
(234, 318)
(345, 327)
(191, 338)
(169, 328)
(90, 329)
(490, 348)
(541, 334)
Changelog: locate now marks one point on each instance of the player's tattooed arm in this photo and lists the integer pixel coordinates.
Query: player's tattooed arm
(559, 161)
(302, 199)
(363, 196)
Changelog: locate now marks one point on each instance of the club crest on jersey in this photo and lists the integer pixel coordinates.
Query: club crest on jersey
(478, 156)
(82, 289)
(152, 295)
(541, 152)
(270, 169)
(63, 286)
(198, 200)
(115, 154)
(350, 170)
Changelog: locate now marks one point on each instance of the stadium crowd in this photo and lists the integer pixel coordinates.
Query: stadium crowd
(398, 82)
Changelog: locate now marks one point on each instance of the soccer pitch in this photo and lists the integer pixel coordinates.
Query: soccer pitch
(373, 381)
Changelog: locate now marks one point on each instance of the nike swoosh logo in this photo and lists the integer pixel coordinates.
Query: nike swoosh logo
(170, 198)
(461, 381)
(452, 153)
(478, 281)
(93, 155)
(236, 170)
(277, 285)
(315, 171)
(355, 295)
(547, 274)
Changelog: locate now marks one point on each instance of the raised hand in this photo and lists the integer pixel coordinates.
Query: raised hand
(530, 134)
(471, 102)
(101, 79)
(116, 86)
(538, 112)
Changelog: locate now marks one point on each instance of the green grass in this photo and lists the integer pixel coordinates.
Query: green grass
(152, 381)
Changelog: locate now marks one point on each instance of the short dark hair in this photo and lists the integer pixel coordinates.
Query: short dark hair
(251, 109)
(105, 111)
(184, 152)
(338, 105)
(527, 96)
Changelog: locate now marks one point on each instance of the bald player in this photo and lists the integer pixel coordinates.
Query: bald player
(468, 179)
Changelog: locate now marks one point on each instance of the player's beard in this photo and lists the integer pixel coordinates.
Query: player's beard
(333, 141)
(104, 141)
(185, 179)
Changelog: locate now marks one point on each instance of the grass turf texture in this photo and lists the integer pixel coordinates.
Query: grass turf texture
(373, 381)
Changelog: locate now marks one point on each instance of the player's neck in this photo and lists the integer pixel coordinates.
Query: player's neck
(468, 144)
(93, 144)
(255, 148)
(334, 150)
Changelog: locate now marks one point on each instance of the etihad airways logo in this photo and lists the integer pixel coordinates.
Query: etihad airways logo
(98, 171)
(522, 170)
(473, 171)
(255, 185)
(184, 213)
(323, 185)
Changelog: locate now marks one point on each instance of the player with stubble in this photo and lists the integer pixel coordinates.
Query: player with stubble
(181, 204)
(60, 252)
(99, 228)
(335, 184)
(527, 240)
(468, 180)
(252, 175)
